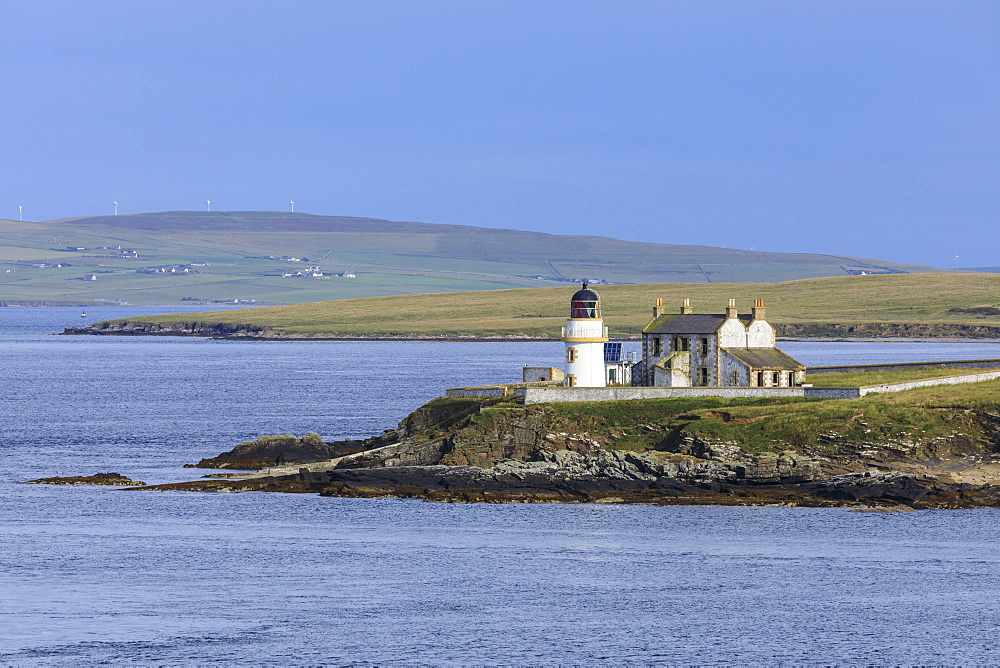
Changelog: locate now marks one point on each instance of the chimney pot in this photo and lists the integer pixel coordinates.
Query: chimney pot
(657, 308)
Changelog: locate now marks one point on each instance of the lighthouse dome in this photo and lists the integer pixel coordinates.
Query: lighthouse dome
(585, 303)
(586, 295)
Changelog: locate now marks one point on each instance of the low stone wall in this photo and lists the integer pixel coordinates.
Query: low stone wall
(930, 382)
(973, 364)
(542, 395)
(485, 391)
(539, 394)
(497, 391)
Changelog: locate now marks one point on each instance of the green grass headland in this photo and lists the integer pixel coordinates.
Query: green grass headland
(761, 425)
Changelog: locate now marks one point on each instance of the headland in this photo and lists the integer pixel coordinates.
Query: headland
(932, 447)
(907, 306)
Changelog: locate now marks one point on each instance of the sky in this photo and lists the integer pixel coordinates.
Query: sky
(866, 128)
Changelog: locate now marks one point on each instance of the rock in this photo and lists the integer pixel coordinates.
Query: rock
(407, 453)
(548, 482)
(279, 449)
(771, 467)
(438, 414)
(866, 486)
(112, 479)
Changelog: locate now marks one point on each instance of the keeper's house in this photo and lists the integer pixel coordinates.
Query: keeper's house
(687, 349)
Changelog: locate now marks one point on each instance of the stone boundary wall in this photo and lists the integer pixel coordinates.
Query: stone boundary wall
(930, 382)
(553, 393)
(974, 364)
(496, 391)
(484, 391)
(543, 395)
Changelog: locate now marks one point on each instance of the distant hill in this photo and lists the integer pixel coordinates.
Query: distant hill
(270, 257)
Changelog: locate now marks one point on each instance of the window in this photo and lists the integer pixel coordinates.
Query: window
(570, 380)
(736, 379)
(657, 346)
(584, 309)
(571, 355)
(681, 343)
(704, 346)
(612, 375)
(703, 375)
(776, 379)
(760, 379)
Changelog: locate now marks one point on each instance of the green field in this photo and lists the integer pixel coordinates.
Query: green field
(932, 304)
(238, 255)
(878, 418)
(816, 426)
(861, 378)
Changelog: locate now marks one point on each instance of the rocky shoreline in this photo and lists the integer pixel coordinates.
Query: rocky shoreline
(515, 484)
(793, 331)
(226, 331)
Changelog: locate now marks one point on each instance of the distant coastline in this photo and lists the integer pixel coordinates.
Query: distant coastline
(249, 333)
(900, 306)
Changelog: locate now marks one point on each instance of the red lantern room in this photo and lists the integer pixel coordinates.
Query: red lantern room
(586, 304)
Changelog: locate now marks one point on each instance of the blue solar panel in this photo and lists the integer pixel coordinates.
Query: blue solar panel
(612, 352)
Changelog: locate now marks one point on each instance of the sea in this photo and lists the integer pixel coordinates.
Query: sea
(99, 576)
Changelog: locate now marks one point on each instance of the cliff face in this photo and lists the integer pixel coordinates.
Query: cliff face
(457, 449)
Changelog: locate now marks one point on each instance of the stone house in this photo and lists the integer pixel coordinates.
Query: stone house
(686, 349)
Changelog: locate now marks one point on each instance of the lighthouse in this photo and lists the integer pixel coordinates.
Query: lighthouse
(585, 336)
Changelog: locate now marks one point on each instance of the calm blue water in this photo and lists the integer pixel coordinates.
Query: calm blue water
(93, 575)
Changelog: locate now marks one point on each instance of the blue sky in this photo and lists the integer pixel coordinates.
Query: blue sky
(867, 128)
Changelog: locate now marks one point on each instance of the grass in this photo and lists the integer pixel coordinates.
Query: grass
(773, 425)
(918, 300)
(863, 378)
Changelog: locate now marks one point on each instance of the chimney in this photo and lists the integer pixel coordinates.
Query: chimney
(686, 307)
(658, 308)
(731, 310)
(758, 310)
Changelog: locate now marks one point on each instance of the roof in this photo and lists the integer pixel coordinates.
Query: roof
(690, 323)
(667, 363)
(586, 296)
(765, 358)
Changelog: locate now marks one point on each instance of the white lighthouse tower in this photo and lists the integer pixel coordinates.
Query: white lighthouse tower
(585, 336)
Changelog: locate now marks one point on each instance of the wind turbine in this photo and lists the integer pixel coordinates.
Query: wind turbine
(209, 203)
(292, 202)
(20, 209)
(116, 207)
